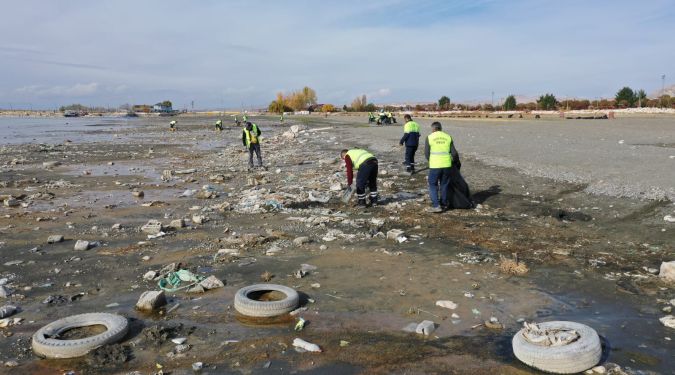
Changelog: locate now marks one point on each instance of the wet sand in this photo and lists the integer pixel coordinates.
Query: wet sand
(591, 256)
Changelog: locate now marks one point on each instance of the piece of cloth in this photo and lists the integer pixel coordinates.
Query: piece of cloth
(254, 148)
(410, 157)
(439, 179)
(181, 279)
(458, 193)
(366, 176)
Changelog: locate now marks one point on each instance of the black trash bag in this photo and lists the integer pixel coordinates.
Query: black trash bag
(459, 195)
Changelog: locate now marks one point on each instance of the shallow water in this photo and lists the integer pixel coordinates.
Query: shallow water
(17, 130)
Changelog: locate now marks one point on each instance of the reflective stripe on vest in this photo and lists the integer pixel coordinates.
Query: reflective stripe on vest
(358, 156)
(411, 127)
(254, 129)
(440, 144)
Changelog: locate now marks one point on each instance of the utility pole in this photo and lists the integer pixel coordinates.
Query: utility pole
(493, 99)
(663, 87)
(192, 104)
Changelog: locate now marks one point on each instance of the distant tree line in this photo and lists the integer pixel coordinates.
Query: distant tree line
(299, 100)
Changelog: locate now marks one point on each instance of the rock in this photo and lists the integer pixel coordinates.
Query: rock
(288, 135)
(116, 226)
(151, 300)
(11, 363)
(182, 348)
(7, 310)
(4, 292)
(11, 202)
(323, 247)
(177, 224)
(152, 227)
(298, 128)
(138, 194)
(336, 187)
(199, 219)
(427, 327)
(211, 282)
(599, 369)
(150, 275)
(56, 238)
(81, 245)
(668, 321)
(667, 271)
(299, 241)
(447, 304)
(308, 346)
(197, 366)
(50, 164)
(394, 234)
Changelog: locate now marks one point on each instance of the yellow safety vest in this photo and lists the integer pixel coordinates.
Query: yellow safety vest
(251, 136)
(439, 145)
(358, 156)
(411, 127)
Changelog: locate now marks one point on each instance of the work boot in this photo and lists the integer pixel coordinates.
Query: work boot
(361, 203)
(374, 200)
(435, 210)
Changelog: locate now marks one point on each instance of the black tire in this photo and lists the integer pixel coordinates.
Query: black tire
(265, 309)
(573, 358)
(45, 346)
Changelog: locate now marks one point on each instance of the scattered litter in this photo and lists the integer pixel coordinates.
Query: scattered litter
(307, 346)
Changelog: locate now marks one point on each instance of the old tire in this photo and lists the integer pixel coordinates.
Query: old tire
(573, 358)
(245, 305)
(46, 346)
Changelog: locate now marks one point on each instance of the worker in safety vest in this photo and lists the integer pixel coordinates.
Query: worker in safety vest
(245, 118)
(250, 136)
(411, 136)
(219, 125)
(371, 117)
(365, 164)
(440, 152)
(172, 126)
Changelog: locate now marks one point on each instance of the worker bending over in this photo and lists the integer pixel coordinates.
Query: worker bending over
(411, 136)
(172, 126)
(365, 164)
(251, 138)
(219, 125)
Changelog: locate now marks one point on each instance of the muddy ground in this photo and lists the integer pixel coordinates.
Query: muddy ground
(591, 258)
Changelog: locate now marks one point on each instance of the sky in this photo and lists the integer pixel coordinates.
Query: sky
(239, 54)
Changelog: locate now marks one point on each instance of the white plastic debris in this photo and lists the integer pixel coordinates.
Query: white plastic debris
(447, 304)
(308, 346)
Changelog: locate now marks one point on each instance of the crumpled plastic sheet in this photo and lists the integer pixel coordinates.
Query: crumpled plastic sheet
(549, 337)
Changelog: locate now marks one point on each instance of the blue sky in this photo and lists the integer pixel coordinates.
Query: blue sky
(240, 53)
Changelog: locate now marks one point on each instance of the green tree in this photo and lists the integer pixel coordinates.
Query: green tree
(547, 102)
(625, 97)
(641, 98)
(444, 102)
(370, 108)
(510, 103)
(167, 103)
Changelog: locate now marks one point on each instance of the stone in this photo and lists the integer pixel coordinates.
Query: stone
(138, 194)
(197, 366)
(447, 304)
(116, 226)
(211, 282)
(4, 292)
(11, 202)
(50, 164)
(336, 187)
(7, 310)
(668, 321)
(151, 300)
(56, 238)
(427, 327)
(199, 219)
(288, 135)
(152, 227)
(394, 234)
(667, 271)
(150, 275)
(177, 224)
(299, 241)
(298, 128)
(81, 245)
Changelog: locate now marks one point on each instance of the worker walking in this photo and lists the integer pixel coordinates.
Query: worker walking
(219, 125)
(365, 164)
(440, 152)
(172, 126)
(411, 136)
(251, 138)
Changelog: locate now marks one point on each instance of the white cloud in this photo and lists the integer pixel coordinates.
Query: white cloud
(78, 89)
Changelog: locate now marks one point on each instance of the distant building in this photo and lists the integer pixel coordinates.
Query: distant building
(163, 107)
(144, 108)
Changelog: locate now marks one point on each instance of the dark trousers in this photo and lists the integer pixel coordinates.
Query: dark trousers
(367, 175)
(410, 157)
(439, 176)
(254, 147)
